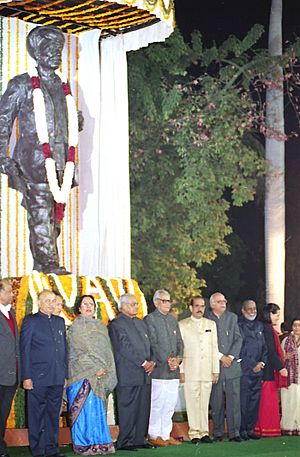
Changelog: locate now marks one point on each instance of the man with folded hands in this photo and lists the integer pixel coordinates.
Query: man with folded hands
(199, 368)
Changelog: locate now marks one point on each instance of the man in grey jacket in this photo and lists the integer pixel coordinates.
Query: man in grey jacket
(229, 343)
(167, 347)
(9, 360)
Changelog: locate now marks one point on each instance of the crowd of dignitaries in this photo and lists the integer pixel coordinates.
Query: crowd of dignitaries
(230, 363)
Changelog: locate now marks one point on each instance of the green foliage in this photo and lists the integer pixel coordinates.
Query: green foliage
(191, 157)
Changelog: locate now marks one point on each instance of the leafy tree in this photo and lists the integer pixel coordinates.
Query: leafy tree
(193, 155)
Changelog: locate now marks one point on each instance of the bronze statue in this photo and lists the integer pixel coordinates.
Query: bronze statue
(39, 101)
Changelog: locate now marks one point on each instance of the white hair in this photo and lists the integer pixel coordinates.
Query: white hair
(123, 299)
(158, 293)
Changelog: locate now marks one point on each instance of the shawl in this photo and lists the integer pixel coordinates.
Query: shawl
(292, 364)
(89, 349)
(281, 381)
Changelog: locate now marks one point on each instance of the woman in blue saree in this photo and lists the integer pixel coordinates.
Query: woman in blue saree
(92, 376)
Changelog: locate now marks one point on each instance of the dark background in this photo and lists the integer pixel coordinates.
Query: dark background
(216, 20)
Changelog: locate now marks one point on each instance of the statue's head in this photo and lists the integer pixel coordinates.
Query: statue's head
(45, 45)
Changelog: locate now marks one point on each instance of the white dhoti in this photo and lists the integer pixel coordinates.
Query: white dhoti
(164, 394)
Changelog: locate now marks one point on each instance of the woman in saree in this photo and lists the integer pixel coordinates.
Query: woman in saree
(290, 397)
(274, 376)
(92, 377)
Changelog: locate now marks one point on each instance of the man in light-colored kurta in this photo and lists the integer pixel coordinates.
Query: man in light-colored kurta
(199, 368)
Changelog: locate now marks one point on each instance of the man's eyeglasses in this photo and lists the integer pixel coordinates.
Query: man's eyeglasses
(164, 300)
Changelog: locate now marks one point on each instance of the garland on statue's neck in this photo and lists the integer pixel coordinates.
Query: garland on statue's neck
(60, 194)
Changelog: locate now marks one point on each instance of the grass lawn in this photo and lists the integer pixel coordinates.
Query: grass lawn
(267, 447)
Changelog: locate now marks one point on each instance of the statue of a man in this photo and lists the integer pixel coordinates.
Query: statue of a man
(46, 129)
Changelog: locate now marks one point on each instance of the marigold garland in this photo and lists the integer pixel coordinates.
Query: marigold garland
(110, 297)
(80, 13)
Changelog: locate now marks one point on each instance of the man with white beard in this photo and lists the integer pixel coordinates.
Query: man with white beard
(254, 356)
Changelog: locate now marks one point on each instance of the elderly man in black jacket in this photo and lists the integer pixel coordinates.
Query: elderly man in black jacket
(254, 356)
(44, 373)
(134, 366)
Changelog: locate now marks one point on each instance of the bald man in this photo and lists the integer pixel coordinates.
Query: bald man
(229, 344)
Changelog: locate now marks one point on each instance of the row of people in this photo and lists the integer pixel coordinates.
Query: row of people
(212, 356)
(252, 368)
(42, 365)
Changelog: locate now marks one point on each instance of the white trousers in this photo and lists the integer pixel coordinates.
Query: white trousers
(197, 394)
(164, 394)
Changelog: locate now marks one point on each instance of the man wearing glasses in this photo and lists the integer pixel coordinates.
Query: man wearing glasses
(229, 343)
(167, 346)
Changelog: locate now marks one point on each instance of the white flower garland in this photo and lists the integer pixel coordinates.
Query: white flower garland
(60, 194)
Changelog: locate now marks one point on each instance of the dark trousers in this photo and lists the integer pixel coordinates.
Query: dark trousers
(43, 406)
(133, 411)
(250, 397)
(231, 389)
(6, 397)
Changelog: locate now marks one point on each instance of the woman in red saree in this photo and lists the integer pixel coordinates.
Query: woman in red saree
(274, 377)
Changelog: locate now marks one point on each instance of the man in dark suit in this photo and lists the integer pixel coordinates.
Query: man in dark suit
(44, 373)
(9, 360)
(229, 344)
(254, 355)
(132, 353)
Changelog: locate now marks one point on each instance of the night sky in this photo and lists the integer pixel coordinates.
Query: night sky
(216, 20)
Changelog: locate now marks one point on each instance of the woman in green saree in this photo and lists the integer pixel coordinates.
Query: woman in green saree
(92, 377)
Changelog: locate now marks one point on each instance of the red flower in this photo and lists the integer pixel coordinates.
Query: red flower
(59, 211)
(71, 154)
(46, 150)
(35, 82)
(66, 89)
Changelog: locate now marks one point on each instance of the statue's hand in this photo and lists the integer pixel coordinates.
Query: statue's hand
(9, 167)
(80, 120)
(12, 170)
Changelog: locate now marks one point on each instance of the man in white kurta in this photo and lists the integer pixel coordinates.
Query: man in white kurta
(199, 368)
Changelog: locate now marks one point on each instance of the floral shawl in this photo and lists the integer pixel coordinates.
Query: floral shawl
(89, 350)
(292, 364)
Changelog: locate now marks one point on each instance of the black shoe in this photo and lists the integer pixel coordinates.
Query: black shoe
(195, 441)
(4, 454)
(218, 438)
(127, 448)
(146, 446)
(237, 439)
(252, 436)
(58, 454)
(206, 439)
(244, 436)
